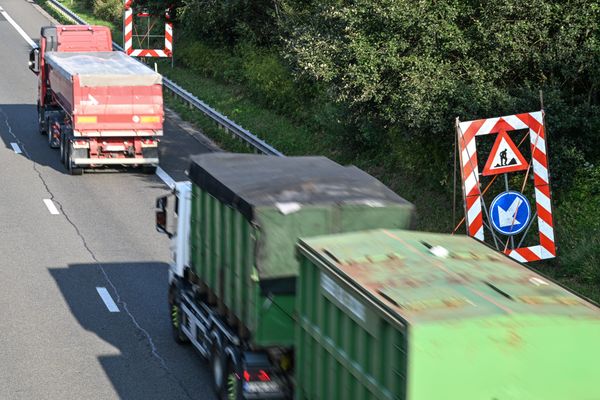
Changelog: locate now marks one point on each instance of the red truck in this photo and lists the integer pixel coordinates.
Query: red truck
(100, 107)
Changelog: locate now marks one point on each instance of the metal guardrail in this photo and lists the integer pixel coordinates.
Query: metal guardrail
(230, 126)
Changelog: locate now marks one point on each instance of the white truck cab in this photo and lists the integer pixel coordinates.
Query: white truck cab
(173, 216)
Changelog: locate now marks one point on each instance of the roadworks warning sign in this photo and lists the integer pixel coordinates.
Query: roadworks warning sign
(504, 157)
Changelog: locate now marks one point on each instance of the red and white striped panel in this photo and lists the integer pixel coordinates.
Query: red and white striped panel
(467, 132)
(128, 36)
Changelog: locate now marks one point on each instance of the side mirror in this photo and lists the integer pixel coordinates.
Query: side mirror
(161, 216)
(34, 61)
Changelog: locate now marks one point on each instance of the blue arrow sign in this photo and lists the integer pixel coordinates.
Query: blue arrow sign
(510, 213)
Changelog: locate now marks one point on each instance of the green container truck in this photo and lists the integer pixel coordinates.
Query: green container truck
(392, 314)
(233, 278)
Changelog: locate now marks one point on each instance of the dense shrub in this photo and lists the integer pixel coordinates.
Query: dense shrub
(268, 77)
(108, 10)
(261, 71)
(230, 22)
(417, 65)
(578, 227)
(210, 61)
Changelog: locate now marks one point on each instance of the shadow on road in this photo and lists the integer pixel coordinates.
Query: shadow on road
(175, 371)
(18, 123)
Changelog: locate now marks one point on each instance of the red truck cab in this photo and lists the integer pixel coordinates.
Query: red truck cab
(100, 107)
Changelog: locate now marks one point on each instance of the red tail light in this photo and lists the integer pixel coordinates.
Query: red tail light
(261, 375)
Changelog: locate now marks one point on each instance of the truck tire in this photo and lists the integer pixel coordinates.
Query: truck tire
(63, 152)
(218, 365)
(41, 120)
(176, 316)
(234, 383)
(72, 169)
(178, 335)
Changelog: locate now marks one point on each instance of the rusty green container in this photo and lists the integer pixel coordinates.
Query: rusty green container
(248, 212)
(391, 314)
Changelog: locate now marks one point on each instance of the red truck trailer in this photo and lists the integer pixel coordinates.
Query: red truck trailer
(100, 107)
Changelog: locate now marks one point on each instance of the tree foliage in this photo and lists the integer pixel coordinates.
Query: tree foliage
(229, 22)
(404, 69)
(109, 10)
(162, 8)
(415, 65)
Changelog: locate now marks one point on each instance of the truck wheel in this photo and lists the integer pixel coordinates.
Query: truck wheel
(72, 169)
(51, 142)
(218, 365)
(41, 120)
(63, 153)
(176, 320)
(176, 315)
(234, 383)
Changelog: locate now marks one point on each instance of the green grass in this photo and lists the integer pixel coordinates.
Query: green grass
(232, 101)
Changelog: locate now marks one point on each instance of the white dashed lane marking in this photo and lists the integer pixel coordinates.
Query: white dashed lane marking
(108, 301)
(16, 148)
(51, 207)
(165, 177)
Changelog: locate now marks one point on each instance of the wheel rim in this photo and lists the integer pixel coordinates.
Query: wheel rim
(175, 316)
(232, 387)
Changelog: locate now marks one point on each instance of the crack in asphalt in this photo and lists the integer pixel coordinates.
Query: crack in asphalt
(120, 301)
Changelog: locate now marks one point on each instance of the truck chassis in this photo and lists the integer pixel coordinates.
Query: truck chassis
(238, 371)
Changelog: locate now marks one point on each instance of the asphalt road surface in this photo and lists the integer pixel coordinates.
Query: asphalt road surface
(71, 245)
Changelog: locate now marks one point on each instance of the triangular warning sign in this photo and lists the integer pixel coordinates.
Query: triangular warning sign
(505, 157)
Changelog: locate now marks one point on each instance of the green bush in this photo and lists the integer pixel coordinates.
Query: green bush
(210, 62)
(578, 228)
(262, 72)
(267, 77)
(108, 10)
(230, 22)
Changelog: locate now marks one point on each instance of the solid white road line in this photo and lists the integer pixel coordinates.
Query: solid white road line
(18, 28)
(165, 177)
(108, 301)
(16, 148)
(51, 207)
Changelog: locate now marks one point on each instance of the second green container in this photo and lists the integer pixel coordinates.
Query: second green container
(400, 315)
